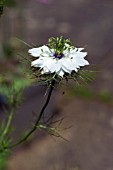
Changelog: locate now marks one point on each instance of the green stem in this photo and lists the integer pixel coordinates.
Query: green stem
(6, 130)
(38, 118)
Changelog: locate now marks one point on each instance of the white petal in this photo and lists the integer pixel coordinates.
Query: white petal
(81, 61)
(77, 56)
(68, 65)
(60, 73)
(37, 51)
(74, 65)
(34, 63)
(53, 65)
(49, 64)
(47, 54)
(66, 53)
(74, 54)
(45, 70)
(82, 54)
(79, 49)
(57, 66)
(53, 68)
(37, 63)
(86, 62)
(66, 69)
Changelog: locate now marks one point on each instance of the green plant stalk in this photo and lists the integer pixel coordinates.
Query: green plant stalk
(7, 127)
(38, 118)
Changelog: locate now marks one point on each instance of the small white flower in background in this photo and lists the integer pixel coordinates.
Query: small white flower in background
(59, 56)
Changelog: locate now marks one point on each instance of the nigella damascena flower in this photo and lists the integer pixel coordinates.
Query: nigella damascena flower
(59, 56)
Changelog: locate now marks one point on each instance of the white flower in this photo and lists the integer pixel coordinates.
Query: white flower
(50, 61)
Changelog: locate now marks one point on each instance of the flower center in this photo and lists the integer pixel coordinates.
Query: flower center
(58, 55)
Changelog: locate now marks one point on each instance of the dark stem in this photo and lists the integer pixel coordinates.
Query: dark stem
(38, 118)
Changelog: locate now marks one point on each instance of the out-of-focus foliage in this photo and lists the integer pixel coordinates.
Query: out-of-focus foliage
(85, 92)
(3, 158)
(13, 88)
(8, 50)
(8, 3)
(1, 6)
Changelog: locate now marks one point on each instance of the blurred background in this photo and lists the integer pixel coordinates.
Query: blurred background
(88, 108)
